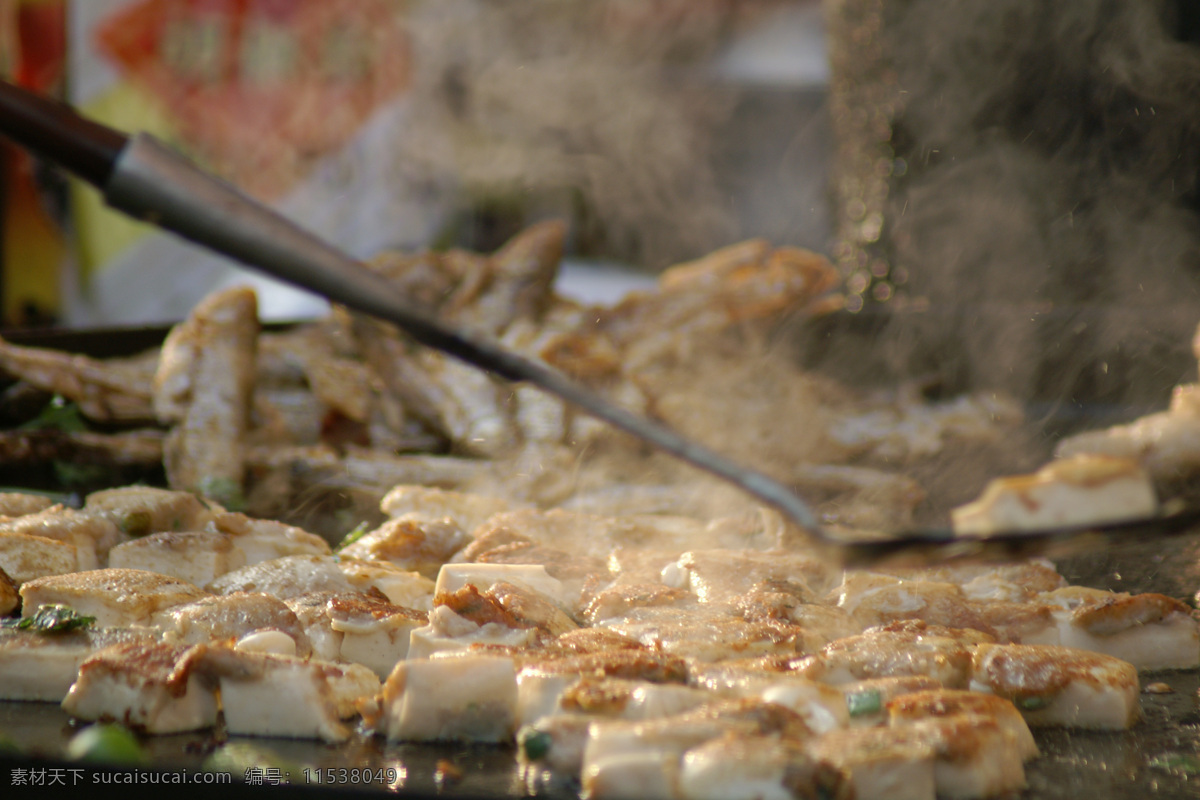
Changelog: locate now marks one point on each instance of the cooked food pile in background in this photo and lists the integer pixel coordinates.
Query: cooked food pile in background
(539, 580)
(278, 422)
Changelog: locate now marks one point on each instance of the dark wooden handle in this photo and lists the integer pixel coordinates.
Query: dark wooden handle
(55, 132)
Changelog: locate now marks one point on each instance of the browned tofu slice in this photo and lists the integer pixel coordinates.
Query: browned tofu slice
(754, 767)
(232, 616)
(285, 577)
(18, 504)
(938, 703)
(374, 633)
(466, 698)
(412, 543)
(881, 763)
(25, 557)
(1075, 490)
(1150, 631)
(115, 597)
(36, 667)
(9, 596)
(198, 557)
(93, 536)
(466, 510)
(142, 510)
(147, 686)
(264, 540)
(273, 695)
(1060, 686)
(893, 651)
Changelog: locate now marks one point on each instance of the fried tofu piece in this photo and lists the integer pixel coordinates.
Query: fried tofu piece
(231, 616)
(622, 755)
(1060, 686)
(466, 510)
(401, 587)
(448, 631)
(546, 693)
(25, 557)
(93, 536)
(313, 611)
(974, 757)
(758, 767)
(285, 577)
(1069, 492)
(1150, 631)
(375, 633)
(204, 388)
(453, 577)
(938, 703)
(198, 557)
(18, 504)
(723, 576)
(273, 695)
(714, 636)
(411, 542)
(262, 540)
(10, 598)
(887, 652)
(115, 597)
(881, 762)
(470, 698)
(875, 599)
(624, 759)
(36, 667)
(620, 600)
(147, 686)
(1016, 583)
(142, 510)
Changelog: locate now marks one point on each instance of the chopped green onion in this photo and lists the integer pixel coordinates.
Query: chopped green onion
(534, 744)
(1032, 703)
(225, 491)
(866, 702)
(51, 619)
(360, 530)
(107, 743)
(136, 523)
(58, 415)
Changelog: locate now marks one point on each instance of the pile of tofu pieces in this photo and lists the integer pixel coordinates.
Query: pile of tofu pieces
(644, 656)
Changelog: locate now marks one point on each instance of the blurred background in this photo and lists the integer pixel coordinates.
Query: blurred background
(661, 129)
(1010, 189)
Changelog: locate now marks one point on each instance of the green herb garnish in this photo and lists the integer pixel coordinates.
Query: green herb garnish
(360, 530)
(866, 702)
(106, 743)
(225, 491)
(69, 474)
(51, 619)
(58, 415)
(1031, 703)
(534, 744)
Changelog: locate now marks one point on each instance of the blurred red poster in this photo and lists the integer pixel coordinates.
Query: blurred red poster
(259, 89)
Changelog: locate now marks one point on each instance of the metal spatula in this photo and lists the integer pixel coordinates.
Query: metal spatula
(145, 179)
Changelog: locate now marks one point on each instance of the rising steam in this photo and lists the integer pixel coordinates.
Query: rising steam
(1049, 211)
